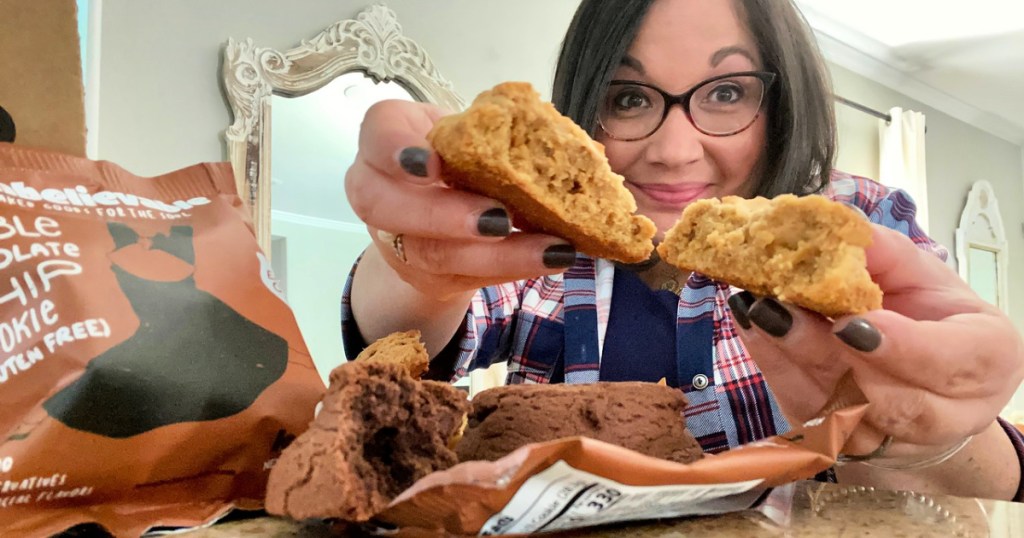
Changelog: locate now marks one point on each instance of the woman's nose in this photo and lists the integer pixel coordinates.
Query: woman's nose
(677, 142)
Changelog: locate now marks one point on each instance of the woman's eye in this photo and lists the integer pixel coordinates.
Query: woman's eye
(631, 99)
(726, 94)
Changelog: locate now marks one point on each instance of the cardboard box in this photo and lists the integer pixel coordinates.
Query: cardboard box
(41, 79)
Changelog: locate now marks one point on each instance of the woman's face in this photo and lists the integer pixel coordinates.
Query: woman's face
(680, 44)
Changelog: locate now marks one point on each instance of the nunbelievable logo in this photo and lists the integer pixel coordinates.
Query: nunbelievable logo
(81, 197)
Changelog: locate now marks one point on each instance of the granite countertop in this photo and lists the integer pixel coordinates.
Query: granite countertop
(803, 509)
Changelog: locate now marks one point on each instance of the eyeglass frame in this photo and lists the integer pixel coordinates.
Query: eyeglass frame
(683, 100)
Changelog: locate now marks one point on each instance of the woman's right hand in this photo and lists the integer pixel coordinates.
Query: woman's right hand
(453, 241)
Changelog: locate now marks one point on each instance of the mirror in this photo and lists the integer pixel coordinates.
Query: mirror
(314, 141)
(371, 44)
(982, 258)
(292, 176)
(983, 273)
(981, 246)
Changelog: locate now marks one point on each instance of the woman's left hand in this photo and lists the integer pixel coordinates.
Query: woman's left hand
(938, 362)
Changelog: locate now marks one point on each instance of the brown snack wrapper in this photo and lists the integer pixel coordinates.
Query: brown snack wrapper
(580, 482)
(150, 371)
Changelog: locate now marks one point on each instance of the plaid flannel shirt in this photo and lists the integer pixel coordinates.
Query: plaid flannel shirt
(524, 324)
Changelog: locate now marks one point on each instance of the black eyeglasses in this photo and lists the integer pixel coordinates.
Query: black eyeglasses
(719, 106)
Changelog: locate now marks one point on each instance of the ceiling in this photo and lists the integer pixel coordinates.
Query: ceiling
(964, 58)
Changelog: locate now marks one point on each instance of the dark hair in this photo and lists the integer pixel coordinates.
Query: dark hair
(801, 133)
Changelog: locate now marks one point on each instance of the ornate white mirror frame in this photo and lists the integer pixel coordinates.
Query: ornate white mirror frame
(372, 43)
(981, 236)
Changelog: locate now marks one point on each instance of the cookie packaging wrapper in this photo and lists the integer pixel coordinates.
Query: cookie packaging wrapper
(581, 482)
(150, 370)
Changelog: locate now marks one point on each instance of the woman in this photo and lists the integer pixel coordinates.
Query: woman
(645, 77)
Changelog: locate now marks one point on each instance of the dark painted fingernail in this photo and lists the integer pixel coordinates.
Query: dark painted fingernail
(559, 256)
(771, 317)
(860, 335)
(414, 160)
(494, 223)
(740, 304)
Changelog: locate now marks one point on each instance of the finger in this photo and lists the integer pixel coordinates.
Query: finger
(812, 373)
(451, 284)
(441, 289)
(954, 357)
(423, 210)
(897, 264)
(800, 337)
(517, 257)
(393, 140)
(914, 282)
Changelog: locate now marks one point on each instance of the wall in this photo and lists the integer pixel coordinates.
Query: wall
(957, 156)
(161, 104)
(858, 140)
(319, 254)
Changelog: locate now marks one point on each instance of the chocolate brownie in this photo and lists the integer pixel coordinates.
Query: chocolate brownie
(378, 432)
(645, 417)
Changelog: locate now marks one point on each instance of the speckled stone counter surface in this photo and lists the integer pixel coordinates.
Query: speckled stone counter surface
(804, 509)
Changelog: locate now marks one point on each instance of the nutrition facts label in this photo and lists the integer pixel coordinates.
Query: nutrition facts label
(562, 497)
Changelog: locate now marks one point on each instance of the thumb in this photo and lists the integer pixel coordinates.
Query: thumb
(393, 140)
(896, 263)
(958, 350)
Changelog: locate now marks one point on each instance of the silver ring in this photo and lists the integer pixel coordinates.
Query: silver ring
(859, 458)
(878, 459)
(904, 464)
(397, 243)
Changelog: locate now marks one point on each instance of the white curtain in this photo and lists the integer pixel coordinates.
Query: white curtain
(902, 157)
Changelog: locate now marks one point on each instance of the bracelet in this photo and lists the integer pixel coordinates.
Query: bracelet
(877, 457)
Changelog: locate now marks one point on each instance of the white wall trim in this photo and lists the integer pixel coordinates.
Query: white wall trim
(862, 44)
(92, 82)
(874, 60)
(317, 222)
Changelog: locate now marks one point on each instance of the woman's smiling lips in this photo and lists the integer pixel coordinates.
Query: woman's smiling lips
(673, 194)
